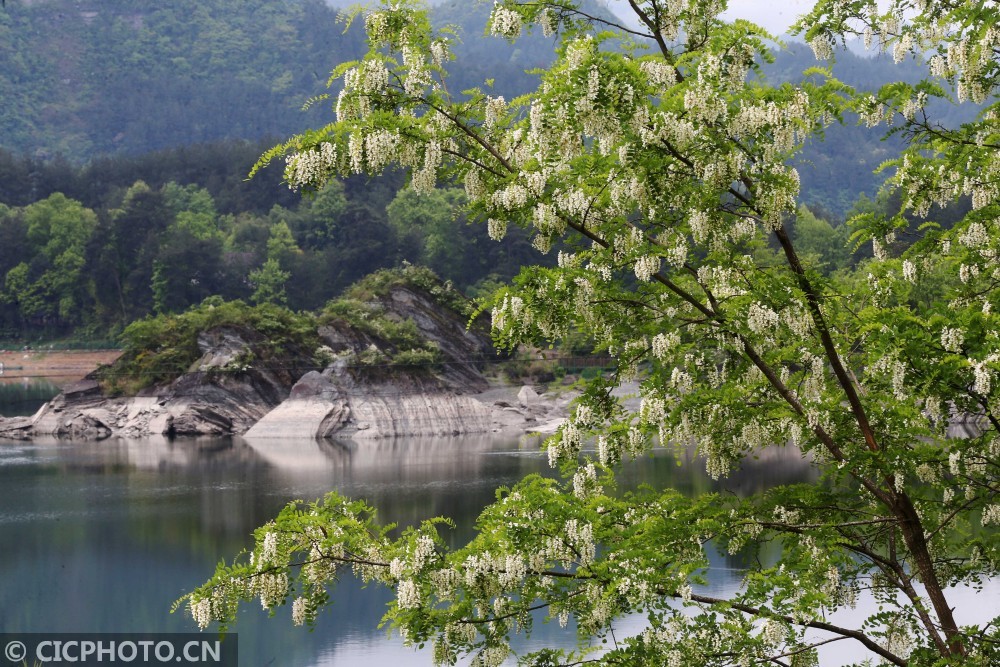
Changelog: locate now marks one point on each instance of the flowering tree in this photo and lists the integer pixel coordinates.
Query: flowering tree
(657, 162)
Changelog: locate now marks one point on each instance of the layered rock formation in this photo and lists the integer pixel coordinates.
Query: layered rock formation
(221, 395)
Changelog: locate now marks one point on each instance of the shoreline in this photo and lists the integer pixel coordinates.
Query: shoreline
(60, 367)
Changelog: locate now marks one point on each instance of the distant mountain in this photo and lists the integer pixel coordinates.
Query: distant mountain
(82, 78)
(86, 78)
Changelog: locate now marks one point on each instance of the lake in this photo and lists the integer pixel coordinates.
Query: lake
(104, 536)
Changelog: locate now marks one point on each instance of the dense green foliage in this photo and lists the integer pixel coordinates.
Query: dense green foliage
(85, 82)
(394, 344)
(379, 284)
(224, 70)
(661, 176)
(158, 349)
(127, 248)
(161, 348)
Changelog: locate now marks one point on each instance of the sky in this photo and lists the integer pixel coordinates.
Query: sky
(773, 15)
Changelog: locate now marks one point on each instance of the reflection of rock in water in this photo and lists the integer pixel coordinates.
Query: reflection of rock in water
(410, 460)
(153, 453)
(303, 454)
(161, 452)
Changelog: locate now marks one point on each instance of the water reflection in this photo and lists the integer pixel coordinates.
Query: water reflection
(23, 396)
(104, 536)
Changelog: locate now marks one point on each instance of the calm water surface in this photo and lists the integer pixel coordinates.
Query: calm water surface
(104, 537)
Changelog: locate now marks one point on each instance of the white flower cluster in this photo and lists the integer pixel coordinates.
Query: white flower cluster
(201, 612)
(440, 53)
(646, 267)
(814, 379)
(902, 47)
(549, 22)
(380, 149)
(424, 179)
(574, 201)
(489, 574)
(676, 251)
(496, 229)
(952, 339)
(491, 656)
(547, 219)
(822, 46)
(360, 84)
(781, 195)
(761, 319)
(913, 105)
(873, 112)
(585, 482)
(975, 236)
(899, 380)
(511, 319)
(511, 197)
(663, 343)
(579, 51)
(991, 515)
(321, 567)
(982, 375)
(369, 77)
(784, 515)
(928, 474)
(408, 595)
(954, 462)
(423, 552)
(772, 632)
(967, 272)
(899, 641)
(496, 107)
(580, 538)
(418, 75)
(300, 610)
(311, 168)
(272, 589)
(377, 26)
(475, 188)
(704, 105)
(718, 461)
(659, 73)
(652, 410)
(268, 550)
(505, 22)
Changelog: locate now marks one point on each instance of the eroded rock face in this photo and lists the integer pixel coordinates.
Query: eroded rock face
(315, 408)
(224, 393)
(381, 413)
(374, 402)
(212, 399)
(464, 349)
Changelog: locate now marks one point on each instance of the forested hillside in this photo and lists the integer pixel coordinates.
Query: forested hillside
(90, 78)
(86, 79)
(94, 248)
(128, 128)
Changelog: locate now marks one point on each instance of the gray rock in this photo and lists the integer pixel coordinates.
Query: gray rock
(16, 428)
(314, 385)
(224, 393)
(527, 396)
